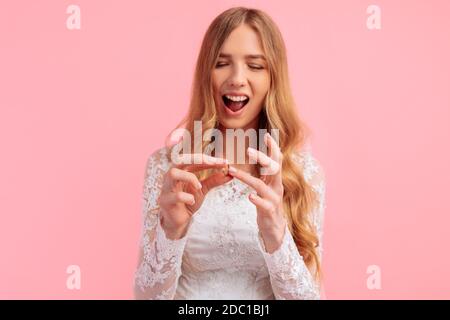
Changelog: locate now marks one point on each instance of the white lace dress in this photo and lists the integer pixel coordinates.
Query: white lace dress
(222, 255)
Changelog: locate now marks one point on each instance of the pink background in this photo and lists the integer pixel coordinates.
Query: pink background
(81, 110)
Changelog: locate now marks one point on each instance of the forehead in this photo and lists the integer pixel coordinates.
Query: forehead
(241, 42)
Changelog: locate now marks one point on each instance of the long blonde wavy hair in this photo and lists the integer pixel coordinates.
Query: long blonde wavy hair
(279, 112)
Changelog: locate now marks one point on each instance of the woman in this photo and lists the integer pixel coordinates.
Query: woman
(238, 233)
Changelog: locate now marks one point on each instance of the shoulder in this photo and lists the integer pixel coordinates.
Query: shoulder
(312, 169)
(314, 175)
(158, 161)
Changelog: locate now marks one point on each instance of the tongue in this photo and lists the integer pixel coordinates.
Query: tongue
(235, 105)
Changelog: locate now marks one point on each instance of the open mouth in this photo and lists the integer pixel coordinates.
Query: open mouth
(235, 103)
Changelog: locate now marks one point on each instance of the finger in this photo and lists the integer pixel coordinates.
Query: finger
(189, 159)
(276, 155)
(172, 198)
(200, 167)
(261, 203)
(268, 165)
(274, 149)
(261, 188)
(215, 180)
(198, 162)
(176, 175)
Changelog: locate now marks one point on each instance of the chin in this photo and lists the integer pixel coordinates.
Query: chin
(236, 123)
(232, 124)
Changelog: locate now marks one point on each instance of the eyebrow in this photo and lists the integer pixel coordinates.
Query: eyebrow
(248, 56)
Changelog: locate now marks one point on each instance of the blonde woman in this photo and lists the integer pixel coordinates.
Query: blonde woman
(236, 233)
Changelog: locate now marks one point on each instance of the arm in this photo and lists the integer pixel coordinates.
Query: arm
(290, 278)
(159, 265)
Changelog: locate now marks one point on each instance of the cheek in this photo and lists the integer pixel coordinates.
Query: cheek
(218, 78)
(261, 85)
(260, 91)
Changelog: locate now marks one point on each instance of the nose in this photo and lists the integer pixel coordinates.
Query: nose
(237, 78)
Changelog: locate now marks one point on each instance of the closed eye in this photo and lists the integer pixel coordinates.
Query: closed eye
(220, 65)
(252, 66)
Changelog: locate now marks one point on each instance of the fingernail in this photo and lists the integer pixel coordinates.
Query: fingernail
(212, 161)
(251, 151)
(225, 170)
(232, 169)
(219, 160)
(199, 186)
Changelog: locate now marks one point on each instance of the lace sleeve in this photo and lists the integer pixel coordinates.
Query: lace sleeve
(159, 265)
(289, 276)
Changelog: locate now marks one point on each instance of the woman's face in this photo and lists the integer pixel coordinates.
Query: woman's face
(241, 73)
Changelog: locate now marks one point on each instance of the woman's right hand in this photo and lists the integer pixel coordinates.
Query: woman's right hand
(182, 193)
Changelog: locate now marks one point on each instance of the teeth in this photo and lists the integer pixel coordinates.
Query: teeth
(236, 98)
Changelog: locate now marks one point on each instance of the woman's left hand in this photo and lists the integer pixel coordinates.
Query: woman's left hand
(269, 193)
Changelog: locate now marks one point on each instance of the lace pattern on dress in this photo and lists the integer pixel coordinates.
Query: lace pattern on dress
(222, 254)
